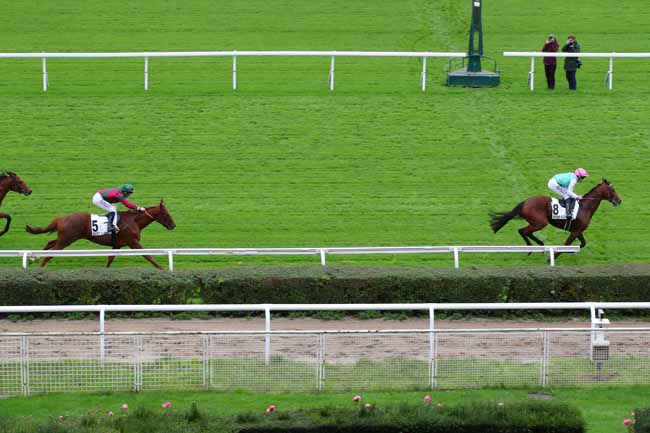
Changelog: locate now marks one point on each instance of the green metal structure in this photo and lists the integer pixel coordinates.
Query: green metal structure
(472, 75)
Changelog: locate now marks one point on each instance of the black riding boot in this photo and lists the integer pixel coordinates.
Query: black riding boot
(112, 230)
(111, 218)
(570, 204)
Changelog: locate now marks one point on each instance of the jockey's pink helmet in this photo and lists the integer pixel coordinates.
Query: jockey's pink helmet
(581, 172)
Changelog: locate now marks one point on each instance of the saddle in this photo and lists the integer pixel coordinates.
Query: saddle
(559, 210)
(99, 224)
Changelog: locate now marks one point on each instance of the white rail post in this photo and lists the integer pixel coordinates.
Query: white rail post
(432, 352)
(322, 258)
(610, 73)
(101, 334)
(545, 357)
(137, 364)
(205, 343)
(25, 260)
(146, 73)
(331, 75)
(170, 258)
(531, 74)
(321, 361)
(45, 80)
(234, 71)
(267, 336)
(551, 256)
(423, 78)
(24, 365)
(456, 258)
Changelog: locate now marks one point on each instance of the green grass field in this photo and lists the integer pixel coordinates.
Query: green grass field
(284, 162)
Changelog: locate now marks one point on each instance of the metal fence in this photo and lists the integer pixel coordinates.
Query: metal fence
(235, 54)
(322, 252)
(308, 361)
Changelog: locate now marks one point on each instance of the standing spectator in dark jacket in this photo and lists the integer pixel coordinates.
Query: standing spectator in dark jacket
(550, 63)
(571, 64)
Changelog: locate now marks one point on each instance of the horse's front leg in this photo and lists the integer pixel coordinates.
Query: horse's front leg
(109, 261)
(135, 245)
(583, 241)
(7, 225)
(572, 237)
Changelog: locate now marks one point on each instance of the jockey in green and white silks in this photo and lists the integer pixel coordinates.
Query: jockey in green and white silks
(563, 184)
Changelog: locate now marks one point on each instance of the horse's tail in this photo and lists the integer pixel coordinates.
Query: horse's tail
(499, 219)
(40, 230)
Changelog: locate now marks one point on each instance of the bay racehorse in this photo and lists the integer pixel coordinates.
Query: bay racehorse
(10, 181)
(70, 228)
(537, 212)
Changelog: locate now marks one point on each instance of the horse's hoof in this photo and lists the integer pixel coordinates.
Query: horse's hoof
(529, 253)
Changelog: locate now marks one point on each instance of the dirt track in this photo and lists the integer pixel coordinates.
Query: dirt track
(284, 324)
(341, 348)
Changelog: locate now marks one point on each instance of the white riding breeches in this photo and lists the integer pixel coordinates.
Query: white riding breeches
(558, 189)
(109, 207)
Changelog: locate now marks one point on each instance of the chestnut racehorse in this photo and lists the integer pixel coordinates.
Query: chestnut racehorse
(70, 228)
(10, 181)
(537, 212)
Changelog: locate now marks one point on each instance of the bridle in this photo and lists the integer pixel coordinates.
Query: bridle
(611, 199)
(146, 212)
(15, 185)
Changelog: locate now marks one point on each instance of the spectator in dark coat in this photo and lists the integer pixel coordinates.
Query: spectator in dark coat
(550, 63)
(571, 64)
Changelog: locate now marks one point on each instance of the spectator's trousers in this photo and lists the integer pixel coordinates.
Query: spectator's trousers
(571, 78)
(550, 75)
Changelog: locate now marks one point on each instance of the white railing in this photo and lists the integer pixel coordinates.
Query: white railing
(234, 54)
(267, 309)
(322, 252)
(609, 77)
(100, 347)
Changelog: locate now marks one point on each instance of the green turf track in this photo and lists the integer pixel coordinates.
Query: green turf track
(284, 162)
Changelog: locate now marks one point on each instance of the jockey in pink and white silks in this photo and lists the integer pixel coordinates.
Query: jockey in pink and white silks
(563, 184)
(105, 199)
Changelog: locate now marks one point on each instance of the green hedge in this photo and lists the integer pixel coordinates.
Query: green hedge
(325, 285)
(99, 286)
(527, 417)
(641, 420)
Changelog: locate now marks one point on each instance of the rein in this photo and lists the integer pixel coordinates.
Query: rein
(149, 215)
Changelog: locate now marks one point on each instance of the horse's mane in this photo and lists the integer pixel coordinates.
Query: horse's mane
(594, 188)
(4, 174)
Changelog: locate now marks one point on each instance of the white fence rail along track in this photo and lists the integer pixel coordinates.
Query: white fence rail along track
(609, 76)
(235, 54)
(322, 252)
